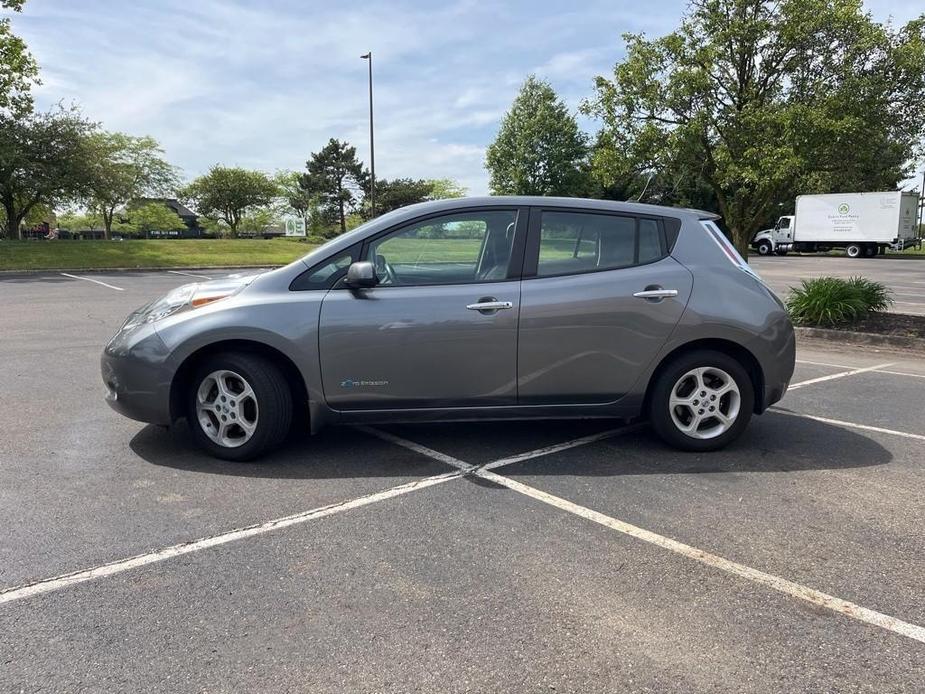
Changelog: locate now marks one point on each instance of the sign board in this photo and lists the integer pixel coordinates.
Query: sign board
(295, 226)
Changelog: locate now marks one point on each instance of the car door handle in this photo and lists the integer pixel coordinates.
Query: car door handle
(490, 306)
(656, 293)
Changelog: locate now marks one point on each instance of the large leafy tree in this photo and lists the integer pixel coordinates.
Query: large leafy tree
(336, 178)
(18, 70)
(539, 149)
(43, 161)
(443, 188)
(762, 100)
(399, 192)
(151, 216)
(227, 194)
(123, 168)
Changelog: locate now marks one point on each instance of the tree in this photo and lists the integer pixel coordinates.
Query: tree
(124, 168)
(763, 100)
(73, 220)
(43, 160)
(335, 175)
(399, 192)
(18, 70)
(228, 193)
(152, 216)
(444, 188)
(539, 149)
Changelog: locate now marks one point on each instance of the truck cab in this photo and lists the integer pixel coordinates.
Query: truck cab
(771, 241)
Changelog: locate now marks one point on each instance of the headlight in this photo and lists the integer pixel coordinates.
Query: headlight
(184, 298)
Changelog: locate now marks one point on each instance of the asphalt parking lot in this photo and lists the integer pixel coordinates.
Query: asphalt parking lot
(555, 556)
(905, 275)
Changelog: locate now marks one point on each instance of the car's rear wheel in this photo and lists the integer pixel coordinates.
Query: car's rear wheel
(238, 406)
(701, 401)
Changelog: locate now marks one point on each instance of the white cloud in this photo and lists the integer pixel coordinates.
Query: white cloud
(264, 84)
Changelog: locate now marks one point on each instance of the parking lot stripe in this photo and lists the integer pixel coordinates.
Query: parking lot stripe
(782, 585)
(832, 377)
(189, 274)
(87, 279)
(823, 363)
(58, 582)
(901, 373)
(556, 448)
(416, 447)
(850, 425)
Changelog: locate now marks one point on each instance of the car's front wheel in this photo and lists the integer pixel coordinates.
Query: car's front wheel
(238, 406)
(701, 401)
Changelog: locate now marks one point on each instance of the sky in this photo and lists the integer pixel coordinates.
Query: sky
(262, 84)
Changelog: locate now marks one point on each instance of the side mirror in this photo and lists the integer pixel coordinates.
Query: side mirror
(362, 275)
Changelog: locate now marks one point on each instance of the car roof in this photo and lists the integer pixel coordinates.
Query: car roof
(543, 201)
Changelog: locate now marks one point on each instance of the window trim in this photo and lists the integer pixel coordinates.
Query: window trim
(333, 279)
(517, 247)
(534, 235)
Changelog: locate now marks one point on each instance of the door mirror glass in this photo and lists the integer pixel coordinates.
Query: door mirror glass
(362, 274)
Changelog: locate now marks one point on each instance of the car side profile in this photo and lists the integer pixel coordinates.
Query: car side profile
(468, 309)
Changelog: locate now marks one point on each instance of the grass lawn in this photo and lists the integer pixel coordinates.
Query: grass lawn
(76, 255)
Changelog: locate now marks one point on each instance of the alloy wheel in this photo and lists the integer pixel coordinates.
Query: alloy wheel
(226, 408)
(704, 403)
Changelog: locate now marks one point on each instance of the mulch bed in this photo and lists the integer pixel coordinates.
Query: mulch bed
(896, 324)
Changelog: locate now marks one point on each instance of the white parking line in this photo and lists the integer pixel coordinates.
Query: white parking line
(87, 279)
(58, 582)
(823, 363)
(832, 377)
(850, 425)
(782, 585)
(189, 274)
(900, 373)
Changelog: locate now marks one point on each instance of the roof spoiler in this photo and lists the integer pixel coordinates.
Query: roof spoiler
(704, 216)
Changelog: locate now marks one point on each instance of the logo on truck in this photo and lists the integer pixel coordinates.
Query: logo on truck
(844, 208)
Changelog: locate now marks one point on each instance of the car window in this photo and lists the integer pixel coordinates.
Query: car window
(326, 273)
(450, 249)
(572, 242)
(651, 241)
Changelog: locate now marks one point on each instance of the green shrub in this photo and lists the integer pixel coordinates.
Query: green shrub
(876, 295)
(832, 301)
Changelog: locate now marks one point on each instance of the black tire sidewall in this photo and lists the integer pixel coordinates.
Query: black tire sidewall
(274, 403)
(764, 248)
(856, 255)
(660, 416)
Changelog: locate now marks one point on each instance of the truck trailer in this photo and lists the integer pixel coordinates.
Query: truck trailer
(864, 224)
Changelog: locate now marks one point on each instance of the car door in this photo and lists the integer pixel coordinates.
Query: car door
(599, 298)
(440, 329)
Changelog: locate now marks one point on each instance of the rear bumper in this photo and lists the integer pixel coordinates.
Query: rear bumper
(137, 380)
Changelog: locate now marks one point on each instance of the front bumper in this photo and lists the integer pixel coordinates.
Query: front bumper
(136, 375)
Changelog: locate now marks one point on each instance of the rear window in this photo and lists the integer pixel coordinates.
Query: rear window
(728, 249)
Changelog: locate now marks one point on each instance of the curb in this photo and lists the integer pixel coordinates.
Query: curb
(913, 344)
(139, 269)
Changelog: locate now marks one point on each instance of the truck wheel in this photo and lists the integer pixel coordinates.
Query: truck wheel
(701, 401)
(781, 251)
(854, 250)
(238, 406)
(764, 248)
(870, 250)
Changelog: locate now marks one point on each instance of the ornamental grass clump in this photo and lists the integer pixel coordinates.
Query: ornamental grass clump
(835, 302)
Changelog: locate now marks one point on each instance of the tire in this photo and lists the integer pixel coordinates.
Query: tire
(673, 384)
(248, 415)
(870, 250)
(781, 252)
(853, 250)
(764, 248)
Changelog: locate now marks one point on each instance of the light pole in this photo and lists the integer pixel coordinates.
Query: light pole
(372, 143)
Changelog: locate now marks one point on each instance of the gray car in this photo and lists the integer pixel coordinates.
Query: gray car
(469, 309)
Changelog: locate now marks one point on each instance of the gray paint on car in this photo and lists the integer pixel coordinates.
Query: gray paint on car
(571, 346)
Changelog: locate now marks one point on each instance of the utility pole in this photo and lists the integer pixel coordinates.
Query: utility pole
(372, 143)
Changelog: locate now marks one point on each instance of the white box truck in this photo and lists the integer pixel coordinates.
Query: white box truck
(864, 224)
